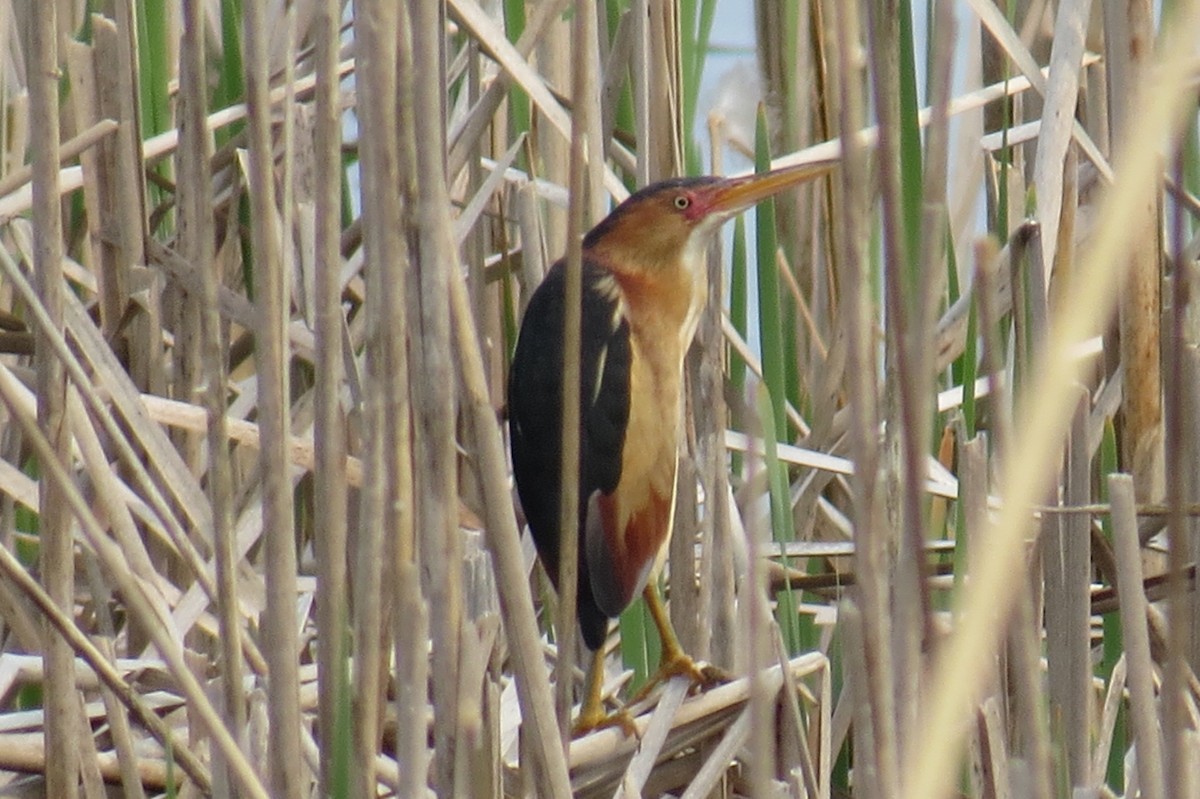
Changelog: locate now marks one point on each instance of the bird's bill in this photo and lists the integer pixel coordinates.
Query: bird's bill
(737, 194)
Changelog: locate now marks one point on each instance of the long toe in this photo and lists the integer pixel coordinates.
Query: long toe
(592, 720)
(701, 675)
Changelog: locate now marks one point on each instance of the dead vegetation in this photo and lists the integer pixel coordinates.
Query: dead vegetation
(261, 266)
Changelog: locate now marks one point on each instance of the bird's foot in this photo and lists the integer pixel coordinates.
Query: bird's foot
(593, 719)
(679, 664)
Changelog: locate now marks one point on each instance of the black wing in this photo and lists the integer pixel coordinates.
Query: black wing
(535, 416)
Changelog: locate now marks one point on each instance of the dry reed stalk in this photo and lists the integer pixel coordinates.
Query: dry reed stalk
(1114, 703)
(717, 762)
(1135, 638)
(756, 618)
(973, 488)
(26, 753)
(993, 19)
(893, 640)
(110, 495)
(988, 266)
(715, 617)
(966, 154)
(651, 740)
(106, 375)
(944, 32)
(55, 530)
(691, 576)
(992, 777)
(101, 666)
(584, 86)
(683, 607)
(742, 349)
(488, 32)
(932, 253)
(114, 711)
(825, 290)
(1184, 403)
(925, 287)
(126, 217)
(434, 401)
(707, 713)
(412, 677)
(504, 542)
(139, 601)
(302, 450)
(1034, 449)
(329, 429)
(614, 71)
(1129, 33)
(826, 751)
(194, 196)
(775, 28)
(533, 245)
(1031, 317)
(791, 85)
(288, 779)
(90, 779)
(81, 64)
(1066, 567)
(69, 150)
(1027, 697)
(640, 74)
(377, 32)
(468, 129)
(154, 501)
(657, 63)
(83, 384)
(398, 305)
(1182, 459)
(466, 228)
(1050, 176)
(858, 693)
(796, 752)
(552, 153)
(874, 685)
(598, 187)
(71, 178)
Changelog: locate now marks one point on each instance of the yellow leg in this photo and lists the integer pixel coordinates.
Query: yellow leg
(592, 716)
(673, 662)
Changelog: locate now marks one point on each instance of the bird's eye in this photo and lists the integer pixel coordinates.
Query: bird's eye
(682, 201)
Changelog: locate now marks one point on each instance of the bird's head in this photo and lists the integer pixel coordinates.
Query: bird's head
(668, 225)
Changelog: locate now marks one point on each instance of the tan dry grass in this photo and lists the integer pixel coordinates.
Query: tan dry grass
(187, 491)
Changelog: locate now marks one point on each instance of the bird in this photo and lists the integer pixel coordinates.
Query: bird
(644, 285)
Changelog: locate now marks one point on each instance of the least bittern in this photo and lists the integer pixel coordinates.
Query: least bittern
(644, 284)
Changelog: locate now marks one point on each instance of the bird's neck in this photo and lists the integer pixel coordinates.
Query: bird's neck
(664, 306)
(664, 289)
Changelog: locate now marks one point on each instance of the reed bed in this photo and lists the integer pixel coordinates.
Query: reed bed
(263, 265)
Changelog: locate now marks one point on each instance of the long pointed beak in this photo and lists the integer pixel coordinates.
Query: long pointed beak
(734, 195)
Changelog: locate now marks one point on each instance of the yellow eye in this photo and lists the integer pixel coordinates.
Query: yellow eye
(682, 202)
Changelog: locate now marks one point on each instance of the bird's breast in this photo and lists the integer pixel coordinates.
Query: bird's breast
(662, 321)
(637, 515)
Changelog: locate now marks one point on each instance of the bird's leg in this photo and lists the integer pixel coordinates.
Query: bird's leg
(673, 662)
(592, 716)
